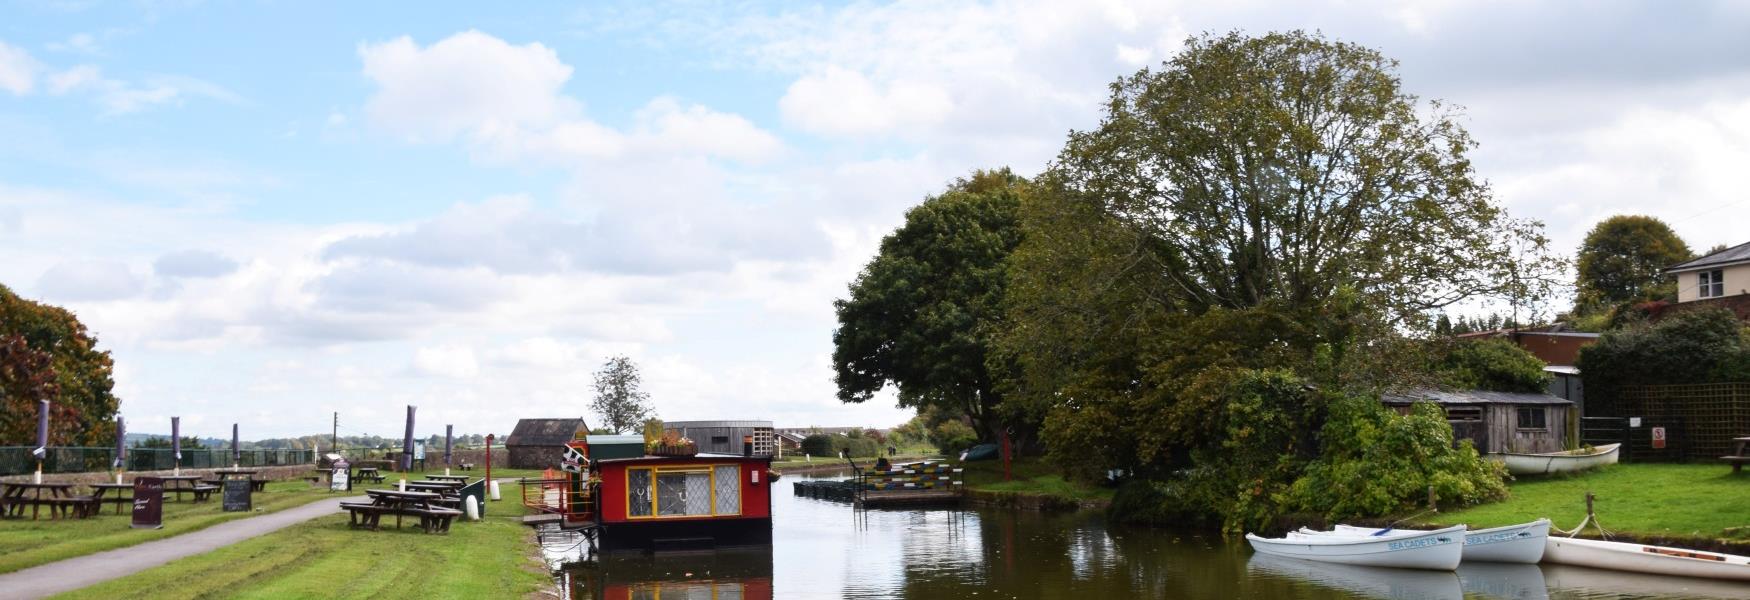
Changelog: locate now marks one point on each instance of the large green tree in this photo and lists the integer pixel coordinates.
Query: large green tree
(1623, 259)
(923, 314)
(75, 377)
(1259, 205)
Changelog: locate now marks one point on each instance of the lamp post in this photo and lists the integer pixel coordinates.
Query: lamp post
(489, 462)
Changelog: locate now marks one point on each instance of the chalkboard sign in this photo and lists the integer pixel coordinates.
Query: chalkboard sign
(237, 495)
(340, 478)
(148, 503)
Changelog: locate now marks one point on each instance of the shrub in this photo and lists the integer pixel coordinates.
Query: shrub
(1697, 346)
(1496, 365)
(1374, 461)
(953, 436)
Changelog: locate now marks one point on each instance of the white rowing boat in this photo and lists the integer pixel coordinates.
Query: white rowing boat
(1641, 558)
(1559, 462)
(1522, 543)
(1440, 549)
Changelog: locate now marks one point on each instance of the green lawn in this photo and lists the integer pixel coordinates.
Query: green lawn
(1677, 500)
(26, 543)
(323, 558)
(1031, 475)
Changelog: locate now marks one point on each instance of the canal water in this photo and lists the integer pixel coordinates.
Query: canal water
(824, 549)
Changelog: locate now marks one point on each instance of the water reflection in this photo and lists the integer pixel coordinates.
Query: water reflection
(828, 550)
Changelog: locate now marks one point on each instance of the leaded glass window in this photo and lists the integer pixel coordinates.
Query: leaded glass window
(638, 488)
(671, 494)
(728, 489)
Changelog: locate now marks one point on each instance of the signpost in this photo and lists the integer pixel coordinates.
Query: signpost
(148, 503)
(237, 495)
(340, 479)
(1658, 437)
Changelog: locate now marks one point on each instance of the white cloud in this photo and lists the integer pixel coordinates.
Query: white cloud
(78, 43)
(17, 70)
(509, 104)
(844, 102)
(447, 360)
(464, 83)
(121, 97)
(193, 263)
(89, 280)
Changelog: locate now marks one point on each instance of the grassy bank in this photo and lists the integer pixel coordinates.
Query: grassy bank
(25, 543)
(323, 558)
(1647, 500)
(1033, 477)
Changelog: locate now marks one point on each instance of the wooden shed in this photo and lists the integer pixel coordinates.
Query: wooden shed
(1498, 421)
(540, 443)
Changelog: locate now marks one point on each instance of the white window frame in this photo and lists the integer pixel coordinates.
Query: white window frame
(1711, 284)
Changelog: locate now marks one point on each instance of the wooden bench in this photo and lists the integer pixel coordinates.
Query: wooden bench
(365, 515)
(1737, 462)
(74, 506)
(202, 492)
(435, 520)
(466, 466)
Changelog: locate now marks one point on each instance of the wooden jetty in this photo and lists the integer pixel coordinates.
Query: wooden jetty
(915, 484)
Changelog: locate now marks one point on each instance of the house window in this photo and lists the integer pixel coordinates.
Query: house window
(1712, 283)
(691, 491)
(1532, 418)
(1464, 413)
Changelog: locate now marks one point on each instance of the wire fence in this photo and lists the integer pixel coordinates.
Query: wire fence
(16, 460)
(1701, 419)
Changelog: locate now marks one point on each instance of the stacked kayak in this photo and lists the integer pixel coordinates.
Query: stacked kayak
(1440, 549)
(1522, 543)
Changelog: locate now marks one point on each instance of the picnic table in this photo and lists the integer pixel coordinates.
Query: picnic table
(371, 473)
(177, 484)
(60, 498)
(258, 485)
(100, 494)
(432, 518)
(462, 479)
(447, 488)
(1739, 456)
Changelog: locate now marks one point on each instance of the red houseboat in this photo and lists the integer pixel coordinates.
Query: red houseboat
(676, 500)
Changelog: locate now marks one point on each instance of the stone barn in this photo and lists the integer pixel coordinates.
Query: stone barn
(539, 443)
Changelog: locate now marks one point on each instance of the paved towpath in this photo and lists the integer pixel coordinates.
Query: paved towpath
(81, 571)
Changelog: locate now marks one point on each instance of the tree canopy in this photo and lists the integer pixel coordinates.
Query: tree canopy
(619, 400)
(1623, 259)
(46, 353)
(1694, 346)
(923, 314)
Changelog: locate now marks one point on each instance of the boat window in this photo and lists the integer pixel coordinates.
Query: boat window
(638, 492)
(728, 489)
(1532, 418)
(693, 491)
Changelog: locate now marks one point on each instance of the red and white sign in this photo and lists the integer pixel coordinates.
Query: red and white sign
(1658, 437)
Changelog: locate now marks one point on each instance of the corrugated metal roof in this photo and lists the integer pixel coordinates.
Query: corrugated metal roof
(678, 424)
(1470, 397)
(1733, 255)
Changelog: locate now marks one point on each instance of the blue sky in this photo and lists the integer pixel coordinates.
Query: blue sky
(271, 211)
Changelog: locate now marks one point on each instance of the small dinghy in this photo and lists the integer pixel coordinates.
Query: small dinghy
(1439, 550)
(1641, 558)
(1522, 543)
(1559, 462)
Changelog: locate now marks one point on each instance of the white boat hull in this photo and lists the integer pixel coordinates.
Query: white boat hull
(1522, 543)
(1641, 558)
(1439, 550)
(1559, 462)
